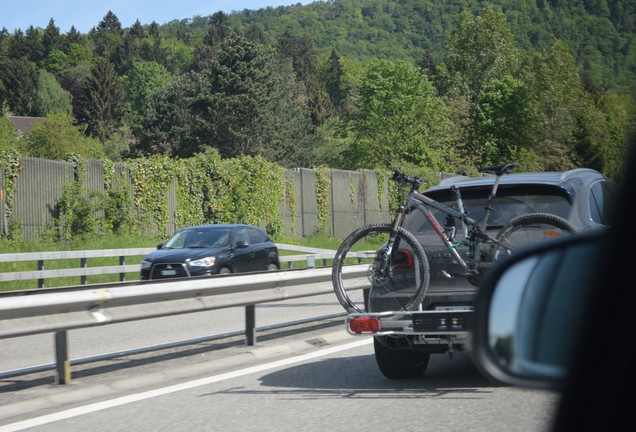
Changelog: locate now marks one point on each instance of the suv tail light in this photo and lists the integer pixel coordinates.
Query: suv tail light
(403, 259)
(364, 325)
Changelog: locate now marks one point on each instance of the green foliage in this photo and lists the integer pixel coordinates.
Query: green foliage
(117, 211)
(19, 80)
(49, 97)
(143, 81)
(558, 90)
(323, 187)
(515, 77)
(289, 192)
(400, 119)
(174, 121)
(151, 178)
(56, 137)
(241, 106)
(59, 61)
(118, 216)
(9, 140)
(75, 213)
(177, 56)
(102, 98)
(621, 122)
(10, 164)
(504, 121)
(209, 190)
(482, 49)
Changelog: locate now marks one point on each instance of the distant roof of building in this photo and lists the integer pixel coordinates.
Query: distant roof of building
(24, 124)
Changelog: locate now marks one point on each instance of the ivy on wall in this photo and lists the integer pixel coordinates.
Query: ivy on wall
(323, 185)
(208, 189)
(10, 165)
(289, 191)
(151, 179)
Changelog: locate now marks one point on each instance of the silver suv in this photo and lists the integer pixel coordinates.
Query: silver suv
(581, 196)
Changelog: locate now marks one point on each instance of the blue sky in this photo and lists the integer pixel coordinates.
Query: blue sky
(85, 14)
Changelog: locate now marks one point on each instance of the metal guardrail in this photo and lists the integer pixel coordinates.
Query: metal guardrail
(310, 256)
(96, 305)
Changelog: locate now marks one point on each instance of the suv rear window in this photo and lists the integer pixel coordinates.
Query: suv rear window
(511, 201)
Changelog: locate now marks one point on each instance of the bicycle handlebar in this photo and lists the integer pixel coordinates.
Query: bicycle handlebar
(399, 176)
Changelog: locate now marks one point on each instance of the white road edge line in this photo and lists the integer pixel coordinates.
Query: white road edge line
(78, 411)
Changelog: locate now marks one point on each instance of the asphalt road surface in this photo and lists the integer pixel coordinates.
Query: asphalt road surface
(313, 379)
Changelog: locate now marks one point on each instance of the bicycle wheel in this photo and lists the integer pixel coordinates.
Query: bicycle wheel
(528, 229)
(401, 287)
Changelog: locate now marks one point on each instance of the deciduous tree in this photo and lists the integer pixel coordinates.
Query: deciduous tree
(56, 138)
(49, 96)
(401, 115)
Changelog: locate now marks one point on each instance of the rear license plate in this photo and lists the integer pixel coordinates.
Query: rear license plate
(443, 321)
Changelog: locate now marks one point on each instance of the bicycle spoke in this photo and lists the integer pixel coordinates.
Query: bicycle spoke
(394, 286)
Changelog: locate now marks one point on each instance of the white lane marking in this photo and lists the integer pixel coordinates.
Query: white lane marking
(74, 412)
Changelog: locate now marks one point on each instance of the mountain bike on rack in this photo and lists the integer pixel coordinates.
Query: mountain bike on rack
(398, 270)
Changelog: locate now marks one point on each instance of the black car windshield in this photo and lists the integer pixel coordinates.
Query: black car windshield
(200, 238)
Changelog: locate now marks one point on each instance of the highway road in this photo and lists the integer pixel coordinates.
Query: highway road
(311, 377)
(297, 386)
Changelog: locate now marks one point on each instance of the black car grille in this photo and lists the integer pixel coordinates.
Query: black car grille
(169, 270)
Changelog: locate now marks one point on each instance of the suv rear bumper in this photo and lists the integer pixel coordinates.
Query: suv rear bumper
(440, 330)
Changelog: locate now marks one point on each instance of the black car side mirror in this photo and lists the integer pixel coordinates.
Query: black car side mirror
(528, 310)
(160, 246)
(241, 244)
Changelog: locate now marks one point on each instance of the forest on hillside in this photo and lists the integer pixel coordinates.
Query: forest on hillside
(432, 85)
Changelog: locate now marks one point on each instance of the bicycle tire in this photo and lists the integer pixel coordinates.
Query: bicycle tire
(528, 229)
(402, 289)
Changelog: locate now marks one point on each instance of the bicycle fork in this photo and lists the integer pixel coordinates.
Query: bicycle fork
(386, 255)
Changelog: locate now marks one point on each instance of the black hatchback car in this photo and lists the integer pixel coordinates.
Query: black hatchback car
(207, 250)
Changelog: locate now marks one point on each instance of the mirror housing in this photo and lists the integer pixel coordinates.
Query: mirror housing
(241, 244)
(528, 308)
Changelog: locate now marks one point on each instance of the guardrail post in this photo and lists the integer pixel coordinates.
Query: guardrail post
(122, 262)
(311, 261)
(40, 268)
(83, 278)
(62, 362)
(250, 325)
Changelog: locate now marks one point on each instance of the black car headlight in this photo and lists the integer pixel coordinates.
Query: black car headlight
(145, 265)
(202, 262)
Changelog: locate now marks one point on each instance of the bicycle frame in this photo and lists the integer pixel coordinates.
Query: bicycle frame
(423, 203)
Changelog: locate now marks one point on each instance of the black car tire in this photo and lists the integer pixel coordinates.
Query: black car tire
(400, 363)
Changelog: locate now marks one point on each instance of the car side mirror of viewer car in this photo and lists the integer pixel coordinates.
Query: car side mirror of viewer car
(529, 309)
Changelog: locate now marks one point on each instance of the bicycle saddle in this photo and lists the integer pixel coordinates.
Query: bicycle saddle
(499, 169)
